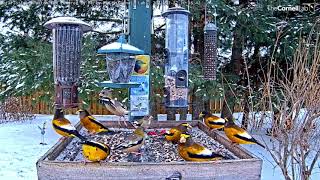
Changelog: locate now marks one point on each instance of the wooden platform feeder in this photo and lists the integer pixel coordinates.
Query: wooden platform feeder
(245, 167)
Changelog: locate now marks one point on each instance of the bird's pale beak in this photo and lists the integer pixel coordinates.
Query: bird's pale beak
(183, 140)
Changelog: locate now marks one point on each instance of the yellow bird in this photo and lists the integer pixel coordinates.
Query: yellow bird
(95, 151)
(144, 122)
(191, 151)
(212, 121)
(63, 126)
(238, 135)
(174, 133)
(114, 106)
(133, 142)
(91, 124)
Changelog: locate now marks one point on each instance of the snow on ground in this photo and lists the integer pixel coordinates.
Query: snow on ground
(20, 148)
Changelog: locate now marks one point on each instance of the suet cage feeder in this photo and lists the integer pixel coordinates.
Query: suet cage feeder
(120, 60)
(210, 51)
(67, 35)
(176, 57)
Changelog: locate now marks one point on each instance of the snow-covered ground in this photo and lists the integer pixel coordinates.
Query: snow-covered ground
(20, 149)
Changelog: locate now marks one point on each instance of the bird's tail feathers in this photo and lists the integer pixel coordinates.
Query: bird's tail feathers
(121, 146)
(107, 132)
(260, 144)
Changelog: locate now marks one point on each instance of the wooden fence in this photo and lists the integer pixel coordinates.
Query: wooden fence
(98, 109)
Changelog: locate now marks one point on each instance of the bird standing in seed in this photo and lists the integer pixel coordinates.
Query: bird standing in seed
(174, 133)
(144, 122)
(95, 151)
(133, 142)
(191, 151)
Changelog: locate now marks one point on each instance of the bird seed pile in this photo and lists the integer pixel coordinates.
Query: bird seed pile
(155, 149)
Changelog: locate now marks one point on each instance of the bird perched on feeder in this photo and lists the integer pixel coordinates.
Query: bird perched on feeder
(237, 135)
(63, 126)
(91, 124)
(95, 151)
(191, 151)
(114, 106)
(133, 142)
(212, 121)
(144, 122)
(174, 133)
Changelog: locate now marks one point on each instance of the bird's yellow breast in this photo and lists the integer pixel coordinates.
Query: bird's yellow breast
(174, 135)
(93, 153)
(59, 123)
(90, 125)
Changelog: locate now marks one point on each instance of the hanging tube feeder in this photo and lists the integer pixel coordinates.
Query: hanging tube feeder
(177, 55)
(67, 35)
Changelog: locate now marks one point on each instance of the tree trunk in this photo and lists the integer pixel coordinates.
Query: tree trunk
(234, 68)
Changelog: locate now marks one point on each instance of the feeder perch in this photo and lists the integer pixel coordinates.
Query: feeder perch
(67, 34)
(177, 55)
(210, 51)
(120, 60)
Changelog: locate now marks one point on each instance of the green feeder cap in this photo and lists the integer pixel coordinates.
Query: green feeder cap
(120, 46)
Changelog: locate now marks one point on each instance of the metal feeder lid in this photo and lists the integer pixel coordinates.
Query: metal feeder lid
(210, 27)
(68, 20)
(176, 10)
(120, 46)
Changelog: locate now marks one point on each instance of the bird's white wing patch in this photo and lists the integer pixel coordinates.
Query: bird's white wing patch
(245, 134)
(68, 127)
(206, 152)
(220, 120)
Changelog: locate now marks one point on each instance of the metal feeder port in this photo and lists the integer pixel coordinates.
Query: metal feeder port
(210, 51)
(177, 55)
(120, 60)
(67, 35)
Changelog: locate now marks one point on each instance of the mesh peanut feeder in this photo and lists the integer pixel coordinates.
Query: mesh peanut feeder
(210, 51)
(67, 35)
(119, 59)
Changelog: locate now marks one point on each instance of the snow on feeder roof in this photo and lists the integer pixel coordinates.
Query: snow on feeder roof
(120, 62)
(67, 35)
(68, 20)
(120, 46)
(210, 27)
(176, 10)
